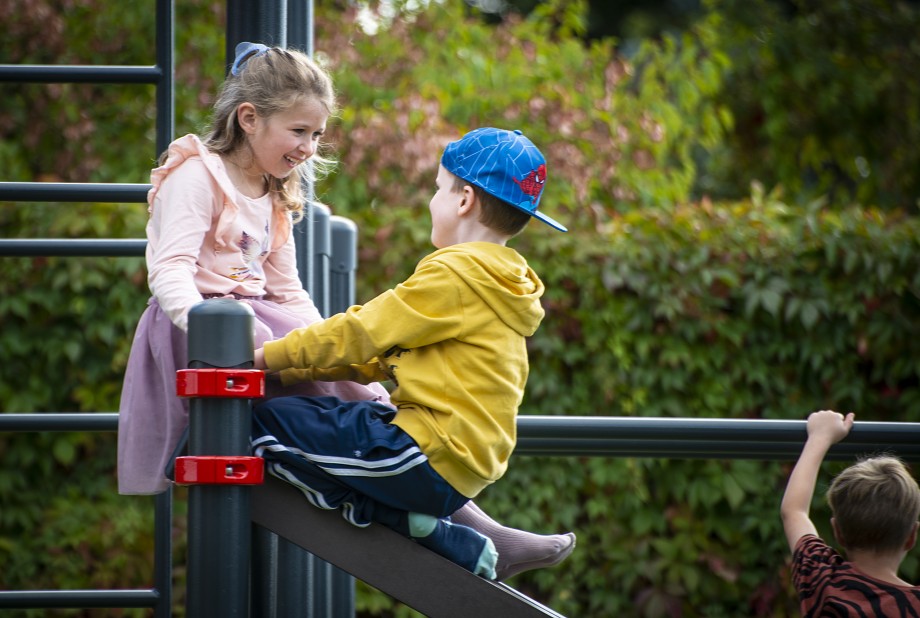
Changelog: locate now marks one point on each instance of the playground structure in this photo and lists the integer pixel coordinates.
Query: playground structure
(318, 552)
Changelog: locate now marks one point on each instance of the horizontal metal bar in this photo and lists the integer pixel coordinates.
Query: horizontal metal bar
(79, 247)
(586, 436)
(78, 598)
(762, 430)
(703, 449)
(72, 74)
(706, 438)
(105, 192)
(60, 421)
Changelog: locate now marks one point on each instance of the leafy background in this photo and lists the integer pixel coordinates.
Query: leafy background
(742, 198)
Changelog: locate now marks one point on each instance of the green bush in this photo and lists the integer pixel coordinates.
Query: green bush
(822, 98)
(738, 310)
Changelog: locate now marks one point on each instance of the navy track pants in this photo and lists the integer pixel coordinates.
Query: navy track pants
(346, 454)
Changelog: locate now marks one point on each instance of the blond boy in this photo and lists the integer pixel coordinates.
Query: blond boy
(874, 504)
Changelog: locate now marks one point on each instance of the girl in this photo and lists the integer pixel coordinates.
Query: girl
(221, 213)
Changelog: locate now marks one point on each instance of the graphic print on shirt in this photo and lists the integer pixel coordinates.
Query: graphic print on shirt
(396, 353)
(252, 250)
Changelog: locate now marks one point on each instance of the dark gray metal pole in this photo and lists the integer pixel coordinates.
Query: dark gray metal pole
(219, 517)
(343, 267)
(281, 573)
(322, 253)
(257, 21)
(264, 580)
(285, 577)
(162, 555)
(300, 25)
(343, 263)
(166, 100)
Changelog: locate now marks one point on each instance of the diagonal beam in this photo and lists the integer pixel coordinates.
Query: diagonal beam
(386, 560)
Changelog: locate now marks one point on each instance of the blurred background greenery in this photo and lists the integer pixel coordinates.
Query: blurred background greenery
(740, 181)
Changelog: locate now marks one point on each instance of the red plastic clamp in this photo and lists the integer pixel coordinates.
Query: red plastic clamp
(242, 383)
(219, 470)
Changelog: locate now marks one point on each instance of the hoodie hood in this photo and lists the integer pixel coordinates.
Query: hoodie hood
(502, 278)
(191, 146)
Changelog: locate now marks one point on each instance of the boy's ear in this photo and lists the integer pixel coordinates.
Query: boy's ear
(467, 200)
(247, 117)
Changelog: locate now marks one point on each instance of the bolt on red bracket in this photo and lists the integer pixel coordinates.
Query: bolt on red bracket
(219, 470)
(242, 383)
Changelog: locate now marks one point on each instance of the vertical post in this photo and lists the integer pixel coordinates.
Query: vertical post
(300, 36)
(322, 254)
(219, 336)
(264, 579)
(162, 555)
(257, 21)
(300, 25)
(343, 263)
(285, 577)
(303, 240)
(296, 593)
(165, 58)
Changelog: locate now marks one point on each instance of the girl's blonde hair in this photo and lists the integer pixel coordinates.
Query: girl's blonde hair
(272, 81)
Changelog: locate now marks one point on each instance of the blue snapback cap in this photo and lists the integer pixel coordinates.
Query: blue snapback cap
(504, 164)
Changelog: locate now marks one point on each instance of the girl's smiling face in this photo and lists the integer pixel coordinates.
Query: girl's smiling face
(284, 140)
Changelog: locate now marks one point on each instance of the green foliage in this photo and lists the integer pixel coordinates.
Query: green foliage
(94, 125)
(616, 134)
(659, 302)
(753, 309)
(826, 101)
(736, 310)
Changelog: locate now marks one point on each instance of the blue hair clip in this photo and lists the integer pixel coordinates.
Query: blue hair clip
(244, 51)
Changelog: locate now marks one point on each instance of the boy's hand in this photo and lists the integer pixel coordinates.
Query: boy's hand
(829, 425)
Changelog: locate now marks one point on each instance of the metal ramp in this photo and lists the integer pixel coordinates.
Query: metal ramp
(386, 560)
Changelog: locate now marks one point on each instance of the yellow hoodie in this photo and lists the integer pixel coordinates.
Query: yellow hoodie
(452, 339)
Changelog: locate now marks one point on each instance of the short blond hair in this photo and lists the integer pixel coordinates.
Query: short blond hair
(875, 504)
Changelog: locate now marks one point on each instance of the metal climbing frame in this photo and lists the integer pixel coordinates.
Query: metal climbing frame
(326, 261)
(160, 75)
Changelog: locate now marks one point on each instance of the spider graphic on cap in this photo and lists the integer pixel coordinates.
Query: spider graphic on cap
(532, 184)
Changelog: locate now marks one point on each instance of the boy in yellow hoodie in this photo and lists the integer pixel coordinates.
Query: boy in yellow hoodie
(451, 338)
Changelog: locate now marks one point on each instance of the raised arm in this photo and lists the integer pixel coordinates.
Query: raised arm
(825, 428)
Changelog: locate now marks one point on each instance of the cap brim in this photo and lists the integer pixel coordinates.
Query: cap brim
(549, 221)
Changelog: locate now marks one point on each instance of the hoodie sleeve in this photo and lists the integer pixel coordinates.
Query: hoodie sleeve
(367, 373)
(425, 309)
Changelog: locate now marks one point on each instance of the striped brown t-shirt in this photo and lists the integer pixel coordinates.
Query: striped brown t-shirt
(829, 585)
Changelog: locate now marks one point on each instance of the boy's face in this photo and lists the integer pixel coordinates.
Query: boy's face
(444, 207)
